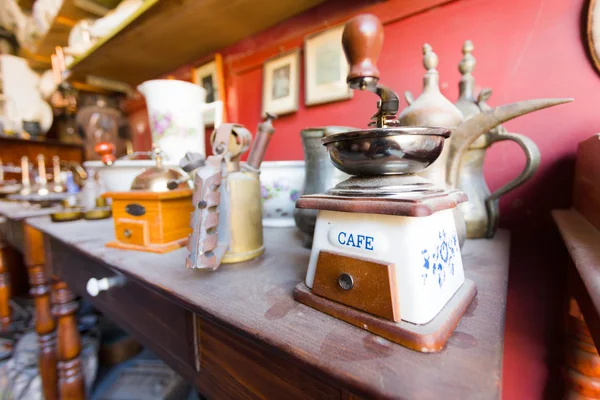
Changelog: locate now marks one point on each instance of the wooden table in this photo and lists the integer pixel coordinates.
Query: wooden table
(238, 333)
(59, 364)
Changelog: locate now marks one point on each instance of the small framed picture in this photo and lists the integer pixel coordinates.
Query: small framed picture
(325, 67)
(281, 81)
(210, 77)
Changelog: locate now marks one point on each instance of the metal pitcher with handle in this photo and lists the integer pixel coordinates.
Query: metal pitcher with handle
(481, 212)
(475, 126)
(320, 175)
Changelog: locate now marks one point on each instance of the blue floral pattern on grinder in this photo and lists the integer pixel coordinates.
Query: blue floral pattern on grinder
(440, 262)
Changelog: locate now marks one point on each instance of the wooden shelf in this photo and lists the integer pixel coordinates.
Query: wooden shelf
(583, 243)
(38, 140)
(582, 240)
(35, 61)
(58, 34)
(26, 4)
(163, 35)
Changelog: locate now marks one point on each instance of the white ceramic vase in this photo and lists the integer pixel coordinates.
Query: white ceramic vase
(175, 110)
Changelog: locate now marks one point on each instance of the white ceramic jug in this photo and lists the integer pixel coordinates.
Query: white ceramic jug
(176, 110)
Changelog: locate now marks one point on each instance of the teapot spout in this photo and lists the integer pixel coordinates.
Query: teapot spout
(481, 123)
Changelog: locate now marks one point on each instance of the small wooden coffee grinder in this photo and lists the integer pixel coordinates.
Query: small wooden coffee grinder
(151, 216)
(385, 254)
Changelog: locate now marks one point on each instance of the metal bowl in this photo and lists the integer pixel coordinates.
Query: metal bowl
(156, 179)
(398, 150)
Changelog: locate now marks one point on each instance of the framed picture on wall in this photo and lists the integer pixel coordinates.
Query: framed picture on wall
(210, 77)
(281, 81)
(325, 68)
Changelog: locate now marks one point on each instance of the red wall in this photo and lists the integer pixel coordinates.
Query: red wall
(524, 49)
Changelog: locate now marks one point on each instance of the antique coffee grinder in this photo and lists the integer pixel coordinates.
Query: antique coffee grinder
(385, 254)
(227, 216)
(154, 215)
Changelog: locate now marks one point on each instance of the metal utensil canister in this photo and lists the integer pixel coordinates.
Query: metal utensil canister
(320, 174)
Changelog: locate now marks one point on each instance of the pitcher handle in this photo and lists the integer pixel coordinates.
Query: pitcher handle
(532, 153)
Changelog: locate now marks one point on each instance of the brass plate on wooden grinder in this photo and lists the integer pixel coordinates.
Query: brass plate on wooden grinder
(367, 285)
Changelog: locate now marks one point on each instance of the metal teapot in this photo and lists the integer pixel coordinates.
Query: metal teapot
(432, 108)
(481, 212)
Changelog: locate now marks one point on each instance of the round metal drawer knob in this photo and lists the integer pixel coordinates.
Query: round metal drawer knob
(127, 233)
(346, 281)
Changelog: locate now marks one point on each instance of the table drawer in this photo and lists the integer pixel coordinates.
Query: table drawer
(234, 367)
(156, 322)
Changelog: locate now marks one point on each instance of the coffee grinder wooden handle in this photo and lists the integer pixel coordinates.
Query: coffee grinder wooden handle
(362, 41)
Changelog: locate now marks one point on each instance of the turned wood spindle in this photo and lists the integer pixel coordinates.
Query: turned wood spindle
(45, 326)
(362, 41)
(4, 290)
(25, 179)
(43, 188)
(70, 374)
(57, 179)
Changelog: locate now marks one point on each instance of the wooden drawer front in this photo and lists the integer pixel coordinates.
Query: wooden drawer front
(371, 283)
(233, 367)
(156, 322)
(132, 232)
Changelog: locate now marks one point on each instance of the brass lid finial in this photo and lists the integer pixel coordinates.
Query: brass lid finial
(467, 64)
(467, 81)
(431, 108)
(158, 156)
(430, 59)
(432, 76)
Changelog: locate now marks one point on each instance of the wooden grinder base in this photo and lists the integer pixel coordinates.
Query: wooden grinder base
(427, 338)
(150, 248)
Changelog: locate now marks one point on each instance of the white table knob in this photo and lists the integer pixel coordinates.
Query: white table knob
(95, 286)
